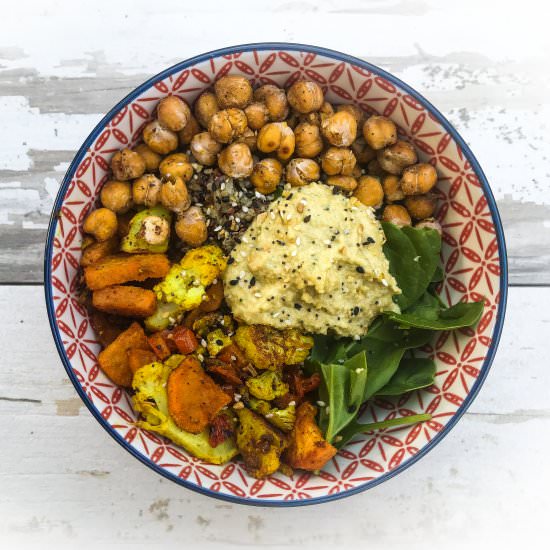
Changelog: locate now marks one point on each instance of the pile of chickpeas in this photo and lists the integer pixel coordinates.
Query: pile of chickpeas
(268, 136)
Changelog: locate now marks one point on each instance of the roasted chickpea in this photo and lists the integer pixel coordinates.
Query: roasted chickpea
(275, 100)
(430, 223)
(308, 140)
(396, 214)
(205, 148)
(192, 128)
(338, 161)
(236, 161)
(276, 136)
(357, 112)
(176, 164)
(363, 153)
(374, 168)
(206, 107)
(357, 171)
(233, 91)
(127, 165)
(395, 158)
(266, 175)
(369, 191)
(117, 196)
(152, 159)
(249, 137)
(160, 139)
(392, 188)
(173, 113)
(191, 226)
(257, 115)
(228, 124)
(418, 179)
(305, 96)
(347, 183)
(379, 132)
(421, 207)
(317, 117)
(146, 190)
(101, 223)
(174, 194)
(302, 171)
(340, 129)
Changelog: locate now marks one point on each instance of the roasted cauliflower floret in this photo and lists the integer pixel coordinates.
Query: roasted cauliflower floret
(267, 386)
(186, 281)
(216, 341)
(259, 443)
(269, 348)
(283, 419)
(151, 401)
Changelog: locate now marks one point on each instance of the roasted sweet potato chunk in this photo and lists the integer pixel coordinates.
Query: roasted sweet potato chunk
(115, 270)
(194, 399)
(137, 358)
(96, 251)
(308, 449)
(114, 361)
(128, 301)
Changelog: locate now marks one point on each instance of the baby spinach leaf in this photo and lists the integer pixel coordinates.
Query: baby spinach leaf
(413, 373)
(354, 428)
(413, 255)
(341, 391)
(388, 331)
(438, 274)
(458, 316)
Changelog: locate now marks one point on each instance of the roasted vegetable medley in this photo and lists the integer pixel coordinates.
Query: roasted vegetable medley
(171, 220)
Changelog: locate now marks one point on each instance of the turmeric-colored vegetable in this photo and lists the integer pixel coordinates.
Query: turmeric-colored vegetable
(115, 270)
(194, 399)
(307, 448)
(113, 360)
(128, 301)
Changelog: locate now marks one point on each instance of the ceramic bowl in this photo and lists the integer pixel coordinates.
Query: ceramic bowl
(474, 260)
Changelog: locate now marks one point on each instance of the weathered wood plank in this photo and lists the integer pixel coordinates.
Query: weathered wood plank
(65, 482)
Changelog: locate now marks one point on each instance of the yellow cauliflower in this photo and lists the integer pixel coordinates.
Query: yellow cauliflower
(187, 280)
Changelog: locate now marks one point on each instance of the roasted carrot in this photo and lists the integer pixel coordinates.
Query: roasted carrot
(185, 340)
(157, 342)
(113, 360)
(213, 297)
(115, 270)
(139, 357)
(128, 301)
(194, 399)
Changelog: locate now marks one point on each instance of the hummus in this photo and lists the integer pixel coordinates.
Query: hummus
(313, 261)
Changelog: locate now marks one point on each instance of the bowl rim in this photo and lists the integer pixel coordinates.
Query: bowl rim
(339, 56)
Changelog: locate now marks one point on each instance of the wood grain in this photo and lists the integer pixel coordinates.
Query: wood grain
(66, 481)
(493, 89)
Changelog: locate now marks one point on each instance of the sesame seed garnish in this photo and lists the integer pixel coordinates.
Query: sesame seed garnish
(234, 282)
(307, 219)
(360, 269)
(258, 294)
(298, 241)
(321, 403)
(326, 241)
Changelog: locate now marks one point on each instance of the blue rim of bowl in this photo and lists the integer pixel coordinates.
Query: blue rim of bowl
(340, 57)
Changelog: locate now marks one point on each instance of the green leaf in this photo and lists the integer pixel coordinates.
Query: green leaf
(458, 316)
(342, 390)
(413, 255)
(438, 274)
(413, 373)
(387, 331)
(355, 428)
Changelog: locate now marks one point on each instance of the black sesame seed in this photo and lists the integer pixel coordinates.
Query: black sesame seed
(307, 219)
(219, 342)
(369, 240)
(356, 310)
(234, 282)
(360, 269)
(231, 260)
(297, 306)
(252, 282)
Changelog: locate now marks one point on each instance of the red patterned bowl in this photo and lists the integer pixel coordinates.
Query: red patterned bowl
(474, 258)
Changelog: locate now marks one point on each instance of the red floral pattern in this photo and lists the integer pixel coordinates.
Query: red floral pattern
(470, 256)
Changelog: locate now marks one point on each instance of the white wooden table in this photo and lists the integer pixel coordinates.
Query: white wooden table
(64, 481)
